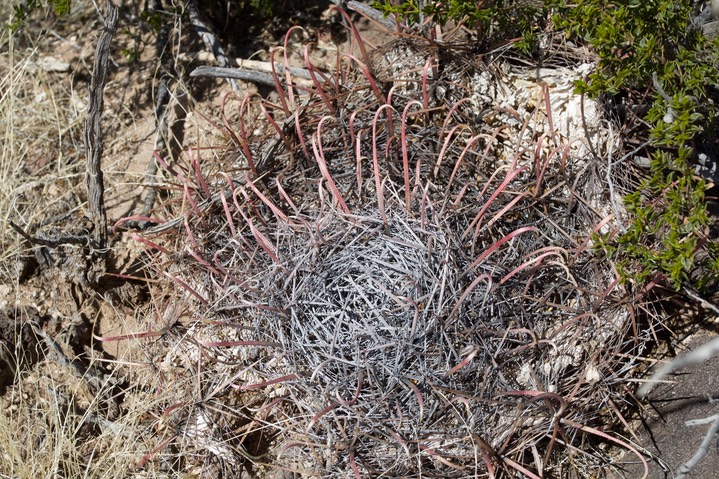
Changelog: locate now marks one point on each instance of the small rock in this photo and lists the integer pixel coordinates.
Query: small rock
(50, 64)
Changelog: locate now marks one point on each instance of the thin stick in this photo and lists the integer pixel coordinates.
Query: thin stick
(702, 451)
(50, 242)
(367, 11)
(610, 182)
(241, 74)
(706, 304)
(162, 101)
(266, 67)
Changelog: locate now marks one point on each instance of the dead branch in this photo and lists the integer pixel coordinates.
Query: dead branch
(239, 74)
(210, 40)
(706, 304)
(610, 181)
(249, 64)
(162, 100)
(659, 88)
(93, 132)
(50, 242)
(367, 11)
(261, 66)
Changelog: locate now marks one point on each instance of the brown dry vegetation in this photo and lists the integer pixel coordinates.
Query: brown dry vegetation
(219, 345)
(62, 390)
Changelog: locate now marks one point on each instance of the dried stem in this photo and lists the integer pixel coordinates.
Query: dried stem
(93, 133)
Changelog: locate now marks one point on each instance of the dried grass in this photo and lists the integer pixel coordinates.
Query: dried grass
(39, 168)
(53, 423)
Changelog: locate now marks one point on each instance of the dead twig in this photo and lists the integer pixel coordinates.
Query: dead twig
(368, 12)
(610, 182)
(162, 100)
(706, 304)
(50, 242)
(702, 451)
(239, 74)
(266, 67)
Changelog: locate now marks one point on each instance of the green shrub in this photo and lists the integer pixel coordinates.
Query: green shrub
(653, 42)
(633, 38)
(23, 10)
(495, 20)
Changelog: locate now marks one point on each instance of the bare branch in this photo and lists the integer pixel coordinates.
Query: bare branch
(93, 133)
(702, 451)
(50, 242)
(261, 66)
(162, 99)
(367, 11)
(211, 41)
(706, 304)
(239, 74)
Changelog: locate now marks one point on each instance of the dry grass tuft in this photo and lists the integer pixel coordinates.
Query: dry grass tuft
(39, 167)
(55, 418)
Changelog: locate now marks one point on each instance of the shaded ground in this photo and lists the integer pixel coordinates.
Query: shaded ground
(692, 394)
